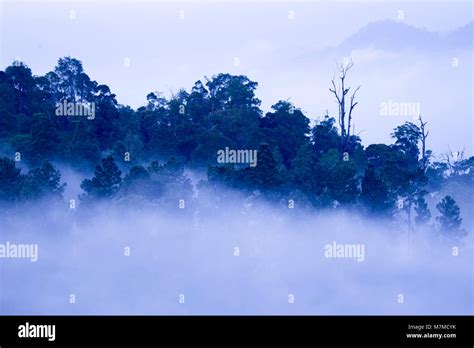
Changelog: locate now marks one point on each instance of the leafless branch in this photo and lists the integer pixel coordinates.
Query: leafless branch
(424, 135)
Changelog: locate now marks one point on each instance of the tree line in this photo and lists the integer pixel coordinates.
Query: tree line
(324, 166)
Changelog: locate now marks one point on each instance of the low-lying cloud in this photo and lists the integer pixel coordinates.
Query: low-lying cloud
(230, 257)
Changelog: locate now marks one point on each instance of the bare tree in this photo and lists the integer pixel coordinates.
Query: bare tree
(352, 106)
(424, 135)
(453, 159)
(340, 94)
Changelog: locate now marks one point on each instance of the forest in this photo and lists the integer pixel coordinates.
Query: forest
(144, 156)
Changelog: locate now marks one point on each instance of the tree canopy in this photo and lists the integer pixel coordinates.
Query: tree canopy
(147, 151)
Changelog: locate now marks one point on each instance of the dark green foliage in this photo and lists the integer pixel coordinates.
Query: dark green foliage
(334, 180)
(287, 129)
(325, 136)
(303, 168)
(80, 146)
(423, 214)
(8, 121)
(170, 183)
(137, 181)
(164, 183)
(375, 195)
(69, 81)
(106, 180)
(407, 137)
(44, 138)
(20, 78)
(43, 181)
(400, 169)
(11, 180)
(136, 175)
(450, 220)
(189, 128)
(265, 174)
(232, 92)
(106, 122)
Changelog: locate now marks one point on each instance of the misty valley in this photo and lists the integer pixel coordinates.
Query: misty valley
(202, 203)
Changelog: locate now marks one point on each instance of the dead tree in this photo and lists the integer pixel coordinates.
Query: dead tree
(424, 135)
(453, 159)
(340, 94)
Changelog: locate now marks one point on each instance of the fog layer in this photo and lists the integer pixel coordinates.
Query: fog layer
(234, 257)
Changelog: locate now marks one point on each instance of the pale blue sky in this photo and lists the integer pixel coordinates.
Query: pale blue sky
(166, 52)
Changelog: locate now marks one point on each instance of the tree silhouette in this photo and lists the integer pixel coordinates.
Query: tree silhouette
(449, 219)
(106, 180)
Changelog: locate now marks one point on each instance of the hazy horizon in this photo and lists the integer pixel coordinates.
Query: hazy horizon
(285, 47)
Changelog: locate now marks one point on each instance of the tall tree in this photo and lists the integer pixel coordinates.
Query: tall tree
(70, 82)
(229, 91)
(21, 79)
(423, 214)
(340, 95)
(287, 129)
(325, 136)
(425, 154)
(410, 171)
(43, 181)
(406, 138)
(106, 180)
(449, 219)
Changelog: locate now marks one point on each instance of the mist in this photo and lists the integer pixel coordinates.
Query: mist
(162, 226)
(240, 255)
